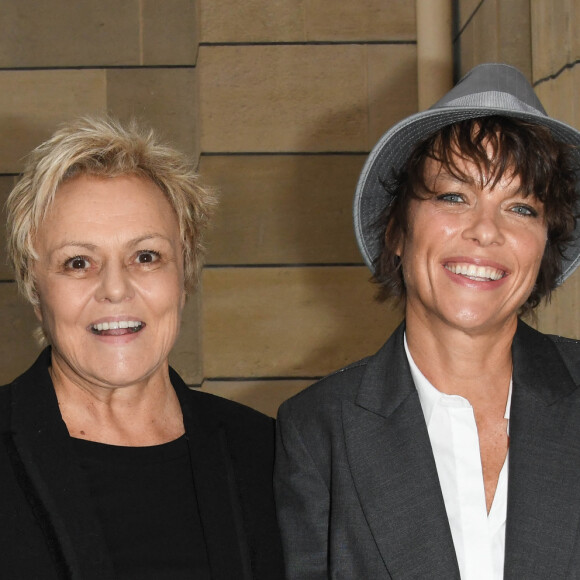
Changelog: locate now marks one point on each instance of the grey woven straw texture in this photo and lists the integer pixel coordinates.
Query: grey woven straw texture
(488, 89)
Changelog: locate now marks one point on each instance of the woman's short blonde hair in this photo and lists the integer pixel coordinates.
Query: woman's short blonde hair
(102, 147)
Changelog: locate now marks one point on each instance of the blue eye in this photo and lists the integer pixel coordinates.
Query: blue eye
(524, 210)
(147, 257)
(77, 263)
(450, 197)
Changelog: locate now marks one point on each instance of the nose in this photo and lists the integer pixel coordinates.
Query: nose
(115, 284)
(484, 227)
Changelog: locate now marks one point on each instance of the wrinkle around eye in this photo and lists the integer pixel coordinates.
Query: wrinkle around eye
(70, 264)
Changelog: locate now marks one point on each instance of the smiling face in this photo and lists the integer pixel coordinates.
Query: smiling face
(109, 277)
(473, 250)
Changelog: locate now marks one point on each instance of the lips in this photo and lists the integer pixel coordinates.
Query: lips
(117, 327)
(475, 272)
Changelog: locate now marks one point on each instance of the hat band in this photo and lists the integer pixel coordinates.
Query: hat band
(492, 100)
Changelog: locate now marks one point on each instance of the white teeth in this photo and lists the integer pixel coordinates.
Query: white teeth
(117, 324)
(477, 273)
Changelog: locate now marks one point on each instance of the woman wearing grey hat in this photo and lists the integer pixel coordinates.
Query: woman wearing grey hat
(454, 451)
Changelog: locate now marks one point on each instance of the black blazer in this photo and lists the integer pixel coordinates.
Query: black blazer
(47, 526)
(357, 487)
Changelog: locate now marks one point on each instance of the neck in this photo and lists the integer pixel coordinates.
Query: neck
(147, 413)
(474, 365)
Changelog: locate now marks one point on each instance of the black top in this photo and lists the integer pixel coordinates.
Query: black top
(49, 526)
(145, 500)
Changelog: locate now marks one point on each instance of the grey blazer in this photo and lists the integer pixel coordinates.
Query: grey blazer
(357, 491)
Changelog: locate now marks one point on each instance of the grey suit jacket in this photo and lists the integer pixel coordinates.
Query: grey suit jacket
(356, 485)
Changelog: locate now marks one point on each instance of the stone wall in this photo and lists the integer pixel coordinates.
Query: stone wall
(293, 97)
(61, 59)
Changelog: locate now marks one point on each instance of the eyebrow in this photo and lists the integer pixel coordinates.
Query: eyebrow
(93, 247)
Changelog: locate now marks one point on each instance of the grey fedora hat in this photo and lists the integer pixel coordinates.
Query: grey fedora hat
(488, 89)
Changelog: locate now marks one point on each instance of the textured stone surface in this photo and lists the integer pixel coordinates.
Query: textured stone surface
(166, 99)
(561, 315)
(170, 32)
(6, 185)
(283, 209)
(264, 396)
(560, 96)
(302, 98)
(392, 81)
(306, 20)
(289, 322)
(34, 103)
(57, 33)
(555, 39)
(60, 33)
(499, 31)
(467, 9)
(186, 357)
(18, 348)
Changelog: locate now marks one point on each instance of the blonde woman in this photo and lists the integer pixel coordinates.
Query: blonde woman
(110, 466)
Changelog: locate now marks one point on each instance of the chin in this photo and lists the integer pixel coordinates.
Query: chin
(473, 321)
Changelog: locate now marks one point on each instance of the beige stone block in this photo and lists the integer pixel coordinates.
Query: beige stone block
(464, 44)
(34, 102)
(264, 396)
(18, 349)
(562, 315)
(289, 322)
(166, 99)
(362, 20)
(283, 98)
(559, 96)
(170, 32)
(290, 209)
(252, 20)
(467, 9)
(554, 33)
(185, 357)
(6, 185)
(57, 33)
(514, 37)
(486, 33)
(392, 81)
(297, 98)
(495, 31)
(306, 20)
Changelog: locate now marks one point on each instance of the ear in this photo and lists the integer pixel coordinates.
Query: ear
(400, 246)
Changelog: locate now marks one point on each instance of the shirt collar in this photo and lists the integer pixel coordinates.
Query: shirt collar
(430, 397)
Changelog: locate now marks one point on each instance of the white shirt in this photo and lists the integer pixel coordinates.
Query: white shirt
(479, 538)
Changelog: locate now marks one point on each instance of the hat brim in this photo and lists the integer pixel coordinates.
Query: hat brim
(393, 149)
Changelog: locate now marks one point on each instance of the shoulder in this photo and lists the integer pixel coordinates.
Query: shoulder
(569, 350)
(27, 385)
(320, 404)
(364, 377)
(224, 411)
(339, 385)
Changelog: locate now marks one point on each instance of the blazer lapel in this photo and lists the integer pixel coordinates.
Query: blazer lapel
(215, 487)
(394, 470)
(43, 456)
(544, 468)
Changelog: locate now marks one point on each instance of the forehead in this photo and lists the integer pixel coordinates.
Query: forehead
(460, 169)
(93, 207)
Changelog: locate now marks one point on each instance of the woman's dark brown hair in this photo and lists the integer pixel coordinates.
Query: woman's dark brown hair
(519, 148)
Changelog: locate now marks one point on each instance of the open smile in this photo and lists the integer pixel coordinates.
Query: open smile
(117, 327)
(474, 272)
